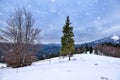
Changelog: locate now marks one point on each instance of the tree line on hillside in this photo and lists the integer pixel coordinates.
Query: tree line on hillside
(108, 49)
(84, 49)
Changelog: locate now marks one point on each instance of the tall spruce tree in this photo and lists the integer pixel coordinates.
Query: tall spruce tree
(67, 40)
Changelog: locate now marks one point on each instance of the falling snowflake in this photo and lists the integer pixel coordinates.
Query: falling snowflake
(29, 6)
(87, 13)
(98, 17)
(52, 0)
(1, 14)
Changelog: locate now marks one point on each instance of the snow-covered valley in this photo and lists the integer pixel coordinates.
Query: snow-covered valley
(81, 67)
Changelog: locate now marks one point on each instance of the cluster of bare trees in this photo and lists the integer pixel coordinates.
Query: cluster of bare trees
(23, 37)
(108, 49)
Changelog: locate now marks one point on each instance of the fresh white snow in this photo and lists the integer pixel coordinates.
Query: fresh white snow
(2, 65)
(115, 37)
(81, 67)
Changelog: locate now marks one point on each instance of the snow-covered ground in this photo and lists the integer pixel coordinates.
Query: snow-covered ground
(2, 65)
(81, 67)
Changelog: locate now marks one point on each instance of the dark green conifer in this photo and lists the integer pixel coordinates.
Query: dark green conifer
(67, 40)
(91, 49)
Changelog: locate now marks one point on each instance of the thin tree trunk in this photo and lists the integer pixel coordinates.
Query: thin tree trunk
(69, 56)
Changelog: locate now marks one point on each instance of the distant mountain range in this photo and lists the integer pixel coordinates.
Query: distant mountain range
(112, 39)
(50, 48)
(46, 49)
(55, 48)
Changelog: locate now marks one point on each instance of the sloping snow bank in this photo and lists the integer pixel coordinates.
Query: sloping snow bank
(81, 67)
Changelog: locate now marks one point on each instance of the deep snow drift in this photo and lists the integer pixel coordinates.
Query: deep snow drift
(81, 67)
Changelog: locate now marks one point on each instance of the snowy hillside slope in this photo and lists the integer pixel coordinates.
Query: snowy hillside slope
(81, 67)
(115, 37)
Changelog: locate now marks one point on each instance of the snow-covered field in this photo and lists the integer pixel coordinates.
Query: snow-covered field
(81, 67)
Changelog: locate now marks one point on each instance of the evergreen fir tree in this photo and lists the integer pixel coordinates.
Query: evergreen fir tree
(67, 40)
(86, 48)
(81, 49)
(91, 49)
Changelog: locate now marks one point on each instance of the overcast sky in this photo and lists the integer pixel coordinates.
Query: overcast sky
(91, 19)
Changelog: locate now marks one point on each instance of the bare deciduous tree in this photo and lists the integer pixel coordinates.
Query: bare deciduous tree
(24, 38)
(109, 49)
